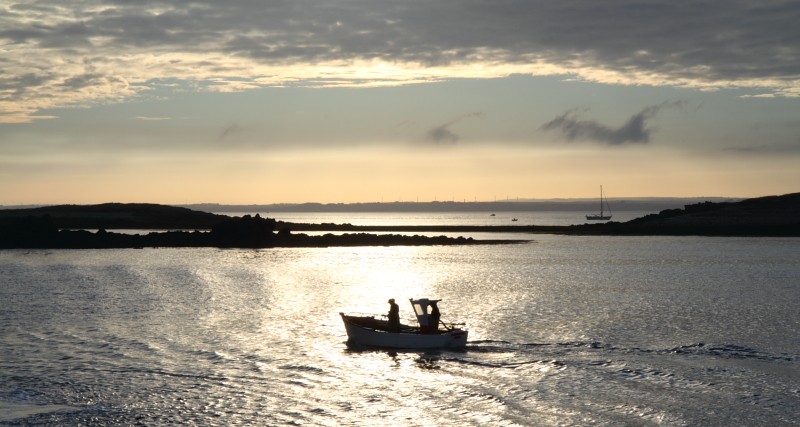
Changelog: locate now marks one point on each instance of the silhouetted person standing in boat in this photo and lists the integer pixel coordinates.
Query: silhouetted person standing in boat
(394, 316)
(433, 319)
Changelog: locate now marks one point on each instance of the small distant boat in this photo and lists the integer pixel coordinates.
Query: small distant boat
(491, 215)
(514, 219)
(374, 331)
(602, 215)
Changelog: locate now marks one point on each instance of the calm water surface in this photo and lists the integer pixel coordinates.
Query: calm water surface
(563, 331)
(442, 218)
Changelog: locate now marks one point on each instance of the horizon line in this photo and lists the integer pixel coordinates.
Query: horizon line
(378, 202)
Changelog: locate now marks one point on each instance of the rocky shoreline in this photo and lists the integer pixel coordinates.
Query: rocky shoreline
(44, 232)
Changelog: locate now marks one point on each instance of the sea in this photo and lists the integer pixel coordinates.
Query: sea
(563, 331)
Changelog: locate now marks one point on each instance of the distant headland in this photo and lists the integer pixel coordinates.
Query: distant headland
(65, 226)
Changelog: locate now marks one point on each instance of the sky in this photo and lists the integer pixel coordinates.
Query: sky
(291, 101)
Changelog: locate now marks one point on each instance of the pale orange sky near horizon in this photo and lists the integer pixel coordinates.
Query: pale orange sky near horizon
(472, 175)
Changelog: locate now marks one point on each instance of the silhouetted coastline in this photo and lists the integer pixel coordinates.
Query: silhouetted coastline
(777, 216)
(133, 216)
(45, 232)
(66, 227)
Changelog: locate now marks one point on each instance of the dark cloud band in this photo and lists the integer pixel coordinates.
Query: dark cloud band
(51, 48)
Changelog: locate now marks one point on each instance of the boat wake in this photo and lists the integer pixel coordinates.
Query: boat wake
(722, 351)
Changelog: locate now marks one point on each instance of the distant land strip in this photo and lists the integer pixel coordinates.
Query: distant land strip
(66, 226)
(650, 204)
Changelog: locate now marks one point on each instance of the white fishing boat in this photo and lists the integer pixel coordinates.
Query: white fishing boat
(376, 331)
(602, 216)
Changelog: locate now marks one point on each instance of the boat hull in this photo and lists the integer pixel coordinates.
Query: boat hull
(406, 339)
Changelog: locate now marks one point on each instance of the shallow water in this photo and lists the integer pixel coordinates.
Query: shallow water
(563, 331)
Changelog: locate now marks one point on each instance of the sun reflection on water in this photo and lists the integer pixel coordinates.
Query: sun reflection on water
(364, 278)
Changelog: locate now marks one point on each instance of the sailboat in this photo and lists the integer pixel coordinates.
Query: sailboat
(602, 215)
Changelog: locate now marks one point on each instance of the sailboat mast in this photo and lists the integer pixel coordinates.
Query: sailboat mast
(601, 200)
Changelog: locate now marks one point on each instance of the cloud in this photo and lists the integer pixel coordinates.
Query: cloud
(776, 148)
(231, 131)
(152, 118)
(56, 53)
(634, 130)
(443, 135)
